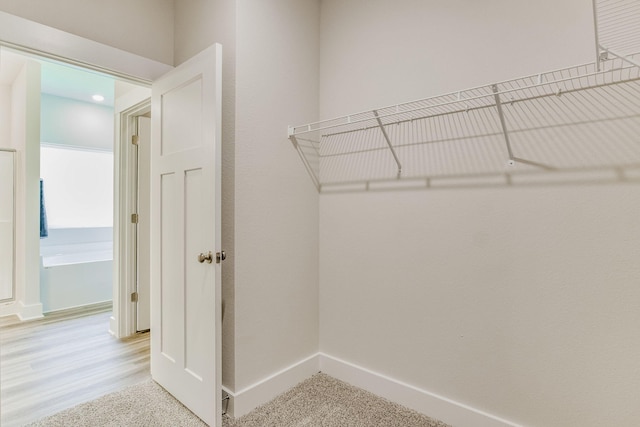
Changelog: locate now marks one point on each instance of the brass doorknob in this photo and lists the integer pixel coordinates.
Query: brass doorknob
(208, 257)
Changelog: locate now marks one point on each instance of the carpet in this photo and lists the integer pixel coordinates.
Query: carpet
(319, 401)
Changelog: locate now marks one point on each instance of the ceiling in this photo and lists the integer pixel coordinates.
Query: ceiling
(70, 82)
(64, 80)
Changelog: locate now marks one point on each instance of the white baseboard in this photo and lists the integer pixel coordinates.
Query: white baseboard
(433, 405)
(29, 312)
(251, 397)
(113, 326)
(439, 407)
(9, 309)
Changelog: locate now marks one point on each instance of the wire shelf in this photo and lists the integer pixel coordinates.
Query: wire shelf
(579, 118)
(570, 119)
(617, 27)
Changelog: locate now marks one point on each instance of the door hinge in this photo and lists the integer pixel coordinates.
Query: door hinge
(134, 218)
(134, 297)
(226, 398)
(135, 139)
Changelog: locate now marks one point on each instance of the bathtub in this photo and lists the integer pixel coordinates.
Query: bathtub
(76, 267)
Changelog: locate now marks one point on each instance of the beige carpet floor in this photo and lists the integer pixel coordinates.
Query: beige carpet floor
(319, 401)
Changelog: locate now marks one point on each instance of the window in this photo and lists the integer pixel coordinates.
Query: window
(78, 186)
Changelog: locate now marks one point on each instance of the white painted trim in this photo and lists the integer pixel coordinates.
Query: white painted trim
(431, 404)
(32, 37)
(9, 309)
(428, 403)
(257, 394)
(128, 106)
(113, 326)
(228, 407)
(24, 312)
(29, 312)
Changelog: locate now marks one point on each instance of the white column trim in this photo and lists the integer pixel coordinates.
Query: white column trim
(30, 311)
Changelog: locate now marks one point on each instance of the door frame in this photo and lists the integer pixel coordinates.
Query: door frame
(123, 319)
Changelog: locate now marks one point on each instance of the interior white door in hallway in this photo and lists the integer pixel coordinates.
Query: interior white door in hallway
(185, 234)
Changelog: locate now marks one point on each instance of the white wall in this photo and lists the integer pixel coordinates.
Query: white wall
(143, 27)
(276, 206)
(519, 302)
(200, 24)
(82, 124)
(411, 49)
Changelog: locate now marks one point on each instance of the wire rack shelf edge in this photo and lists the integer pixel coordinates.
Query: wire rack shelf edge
(510, 120)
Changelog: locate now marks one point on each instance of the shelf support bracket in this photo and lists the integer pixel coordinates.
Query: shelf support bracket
(505, 132)
(620, 56)
(307, 165)
(386, 137)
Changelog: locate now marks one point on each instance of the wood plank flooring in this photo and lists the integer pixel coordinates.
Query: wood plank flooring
(64, 359)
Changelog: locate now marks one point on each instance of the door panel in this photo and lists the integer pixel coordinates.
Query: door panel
(197, 277)
(170, 289)
(185, 222)
(182, 123)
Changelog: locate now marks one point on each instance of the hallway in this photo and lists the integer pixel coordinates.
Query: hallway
(63, 359)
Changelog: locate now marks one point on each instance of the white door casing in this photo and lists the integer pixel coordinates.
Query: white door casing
(143, 303)
(7, 224)
(185, 221)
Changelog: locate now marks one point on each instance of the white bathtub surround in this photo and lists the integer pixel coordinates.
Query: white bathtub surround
(76, 267)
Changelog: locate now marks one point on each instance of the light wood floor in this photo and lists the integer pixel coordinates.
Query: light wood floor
(64, 359)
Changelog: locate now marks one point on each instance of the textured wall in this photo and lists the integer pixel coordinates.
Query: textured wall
(276, 292)
(143, 27)
(518, 301)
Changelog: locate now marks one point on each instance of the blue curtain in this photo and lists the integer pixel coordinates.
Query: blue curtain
(44, 230)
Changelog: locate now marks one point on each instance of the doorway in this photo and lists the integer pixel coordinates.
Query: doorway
(73, 125)
(94, 319)
(131, 311)
(76, 178)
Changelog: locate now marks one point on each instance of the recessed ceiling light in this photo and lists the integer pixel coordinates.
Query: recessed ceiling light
(98, 98)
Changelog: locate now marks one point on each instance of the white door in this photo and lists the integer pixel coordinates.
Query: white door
(185, 222)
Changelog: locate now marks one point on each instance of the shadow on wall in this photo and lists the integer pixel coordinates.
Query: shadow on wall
(572, 126)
